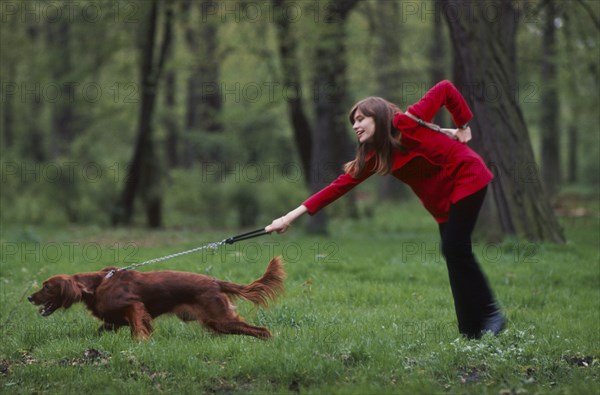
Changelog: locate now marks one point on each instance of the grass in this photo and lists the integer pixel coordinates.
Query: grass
(367, 310)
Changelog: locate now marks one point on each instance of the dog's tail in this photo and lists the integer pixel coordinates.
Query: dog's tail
(262, 290)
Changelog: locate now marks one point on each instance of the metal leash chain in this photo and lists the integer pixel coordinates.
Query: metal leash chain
(214, 246)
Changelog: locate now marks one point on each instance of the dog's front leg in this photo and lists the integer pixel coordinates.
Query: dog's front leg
(140, 321)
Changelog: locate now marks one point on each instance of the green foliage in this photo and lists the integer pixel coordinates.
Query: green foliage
(578, 76)
(240, 196)
(39, 62)
(210, 195)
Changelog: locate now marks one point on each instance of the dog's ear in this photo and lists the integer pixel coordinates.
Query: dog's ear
(70, 292)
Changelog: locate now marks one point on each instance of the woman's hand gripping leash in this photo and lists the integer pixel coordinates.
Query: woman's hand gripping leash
(462, 135)
(281, 224)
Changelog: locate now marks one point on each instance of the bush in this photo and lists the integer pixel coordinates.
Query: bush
(229, 201)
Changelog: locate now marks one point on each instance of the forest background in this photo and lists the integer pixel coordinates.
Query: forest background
(227, 114)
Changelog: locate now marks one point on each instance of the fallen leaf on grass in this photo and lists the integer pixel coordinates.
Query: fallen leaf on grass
(581, 361)
(4, 368)
(473, 375)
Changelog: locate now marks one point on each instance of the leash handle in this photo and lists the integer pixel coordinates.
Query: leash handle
(245, 236)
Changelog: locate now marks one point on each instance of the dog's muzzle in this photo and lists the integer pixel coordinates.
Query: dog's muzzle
(46, 309)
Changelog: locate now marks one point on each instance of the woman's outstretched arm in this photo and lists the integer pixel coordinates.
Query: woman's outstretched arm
(281, 224)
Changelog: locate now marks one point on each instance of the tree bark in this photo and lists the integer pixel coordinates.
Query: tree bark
(550, 147)
(573, 94)
(287, 46)
(485, 71)
(8, 119)
(35, 148)
(437, 57)
(63, 113)
(170, 122)
(383, 20)
(331, 143)
(204, 102)
(144, 173)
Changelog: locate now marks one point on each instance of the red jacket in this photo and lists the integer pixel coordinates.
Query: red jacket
(439, 170)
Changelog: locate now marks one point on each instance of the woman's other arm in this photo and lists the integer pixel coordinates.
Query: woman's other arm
(445, 94)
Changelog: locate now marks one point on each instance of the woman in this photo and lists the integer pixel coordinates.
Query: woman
(448, 177)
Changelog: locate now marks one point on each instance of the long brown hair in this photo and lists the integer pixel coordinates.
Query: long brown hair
(385, 139)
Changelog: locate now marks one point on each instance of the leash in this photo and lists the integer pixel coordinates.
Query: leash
(212, 246)
(448, 132)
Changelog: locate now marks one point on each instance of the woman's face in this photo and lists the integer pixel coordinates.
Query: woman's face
(364, 127)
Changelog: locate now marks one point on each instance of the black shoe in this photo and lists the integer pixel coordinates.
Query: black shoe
(493, 323)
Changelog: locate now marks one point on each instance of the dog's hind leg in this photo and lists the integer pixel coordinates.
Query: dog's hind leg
(139, 320)
(238, 327)
(220, 316)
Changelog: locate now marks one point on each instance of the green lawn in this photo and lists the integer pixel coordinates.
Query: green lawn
(366, 310)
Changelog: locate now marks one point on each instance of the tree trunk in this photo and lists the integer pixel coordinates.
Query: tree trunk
(170, 119)
(8, 119)
(485, 70)
(287, 45)
(204, 102)
(383, 20)
(550, 155)
(144, 174)
(35, 148)
(331, 142)
(63, 114)
(437, 57)
(573, 142)
(573, 94)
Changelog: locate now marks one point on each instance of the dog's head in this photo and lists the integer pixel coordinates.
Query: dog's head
(58, 291)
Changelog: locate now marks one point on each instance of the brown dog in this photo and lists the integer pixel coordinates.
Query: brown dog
(135, 298)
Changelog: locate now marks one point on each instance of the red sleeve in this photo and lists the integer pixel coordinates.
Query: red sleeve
(333, 191)
(445, 94)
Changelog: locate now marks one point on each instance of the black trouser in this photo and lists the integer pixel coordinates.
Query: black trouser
(473, 299)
